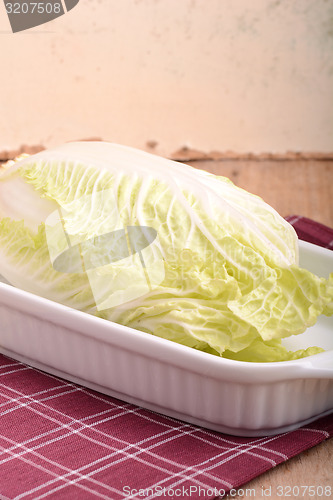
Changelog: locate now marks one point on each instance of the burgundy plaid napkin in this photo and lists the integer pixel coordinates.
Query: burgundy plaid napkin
(311, 231)
(62, 441)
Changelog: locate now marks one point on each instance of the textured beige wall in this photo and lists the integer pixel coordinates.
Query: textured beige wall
(242, 75)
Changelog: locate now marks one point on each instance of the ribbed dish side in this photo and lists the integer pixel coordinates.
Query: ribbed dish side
(247, 406)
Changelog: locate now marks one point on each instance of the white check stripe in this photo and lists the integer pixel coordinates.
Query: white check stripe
(100, 469)
(78, 431)
(106, 399)
(273, 438)
(213, 465)
(320, 431)
(26, 404)
(18, 369)
(137, 409)
(54, 490)
(235, 445)
(48, 471)
(88, 476)
(50, 432)
(28, 396)
(85, 476)
(121, 492)
(14, 363)
(108, 465)
(135, 445)
(269, 450)
(70, 472)
(133, 410)
(2, 497)
(204, 470)
(30, 401)
(89, 392)
(134, 455)
(255, 443)
(57, 429)
(295, 219)
(175, 463)
(75, 388)
(64, 477)
(227, 439)
(115, 450)
(127, 409)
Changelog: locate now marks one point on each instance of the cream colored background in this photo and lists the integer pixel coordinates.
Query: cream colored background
(241, 75)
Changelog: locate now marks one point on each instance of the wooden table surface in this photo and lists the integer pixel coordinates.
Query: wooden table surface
(296, 187)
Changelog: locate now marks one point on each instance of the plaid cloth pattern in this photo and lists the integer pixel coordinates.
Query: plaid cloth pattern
(62, 441)
(311, 231)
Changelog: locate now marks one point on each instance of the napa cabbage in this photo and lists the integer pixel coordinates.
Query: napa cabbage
(158, 246)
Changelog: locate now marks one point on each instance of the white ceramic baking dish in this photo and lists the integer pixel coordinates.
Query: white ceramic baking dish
(246, 399)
